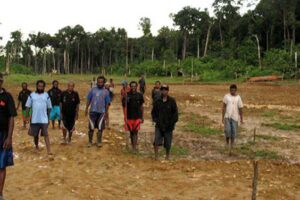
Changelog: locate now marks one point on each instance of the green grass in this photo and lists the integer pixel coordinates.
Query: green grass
(247, 149)
(19, 78)
(179, 151)
(202, 130)
(270, 113)
(284, 127)
(267, 137)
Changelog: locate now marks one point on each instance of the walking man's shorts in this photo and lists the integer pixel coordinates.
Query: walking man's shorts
(55, 113)
(97, 121)
(163, 138)
(230, 128)
(6, 155)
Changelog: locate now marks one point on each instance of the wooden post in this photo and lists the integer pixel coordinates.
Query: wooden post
(254, 181)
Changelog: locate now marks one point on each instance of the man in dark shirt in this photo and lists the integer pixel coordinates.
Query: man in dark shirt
(69, 106)
(165, 115)
(135, 111)
(142, 84)
(54, 94)
(7, 114)
(22, 99)
(156, 93)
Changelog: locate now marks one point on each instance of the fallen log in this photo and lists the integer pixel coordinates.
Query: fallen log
(265, 78)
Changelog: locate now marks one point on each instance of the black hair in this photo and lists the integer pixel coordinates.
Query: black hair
(55, 81)
(102, 77)
(233, 86)
(24, 83)
(41, 81)
(133, 82)
(158, 82)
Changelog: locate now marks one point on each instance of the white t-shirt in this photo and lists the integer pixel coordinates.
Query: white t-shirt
(233, 103)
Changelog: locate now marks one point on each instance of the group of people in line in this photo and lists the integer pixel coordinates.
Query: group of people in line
(39, 107)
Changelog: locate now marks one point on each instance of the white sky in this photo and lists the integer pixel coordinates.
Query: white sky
(51, 15)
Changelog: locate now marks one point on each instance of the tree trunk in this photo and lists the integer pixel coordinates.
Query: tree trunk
(131, 54)
(7, 68)
(152, 54)
(184, 45)
(207, 40)
(65, 60)
(258, 52)
(220, 32)
(284, 28)
(267, 41)
(81, 65)
(127, 70)
(44, 64)
(198, 47)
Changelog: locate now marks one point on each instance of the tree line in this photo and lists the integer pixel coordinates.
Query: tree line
(223, 44)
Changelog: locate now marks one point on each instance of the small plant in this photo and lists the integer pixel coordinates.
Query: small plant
(180, 151)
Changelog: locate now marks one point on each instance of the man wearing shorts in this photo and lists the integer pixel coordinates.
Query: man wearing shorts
(40, 104)
(165, 116)
(232, 112)
(54, 94)
(22, 99)
(135, 112)
(7, 114)
(142, 84)
(69, 106)
(156, 93)
(98, 101)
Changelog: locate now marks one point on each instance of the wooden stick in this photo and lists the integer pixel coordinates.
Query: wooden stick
(254, 181)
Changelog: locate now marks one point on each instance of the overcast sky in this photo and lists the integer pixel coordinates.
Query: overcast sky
(51, 15)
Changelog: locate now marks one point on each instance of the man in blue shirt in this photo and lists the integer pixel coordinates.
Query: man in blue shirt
(97, 104)
(40, 104)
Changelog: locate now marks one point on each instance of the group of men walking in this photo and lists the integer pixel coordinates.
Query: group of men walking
(39, 107)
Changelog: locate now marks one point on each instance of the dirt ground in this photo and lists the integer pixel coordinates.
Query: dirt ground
(200, 168)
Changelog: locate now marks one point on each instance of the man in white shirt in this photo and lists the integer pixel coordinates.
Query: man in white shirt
(40, 104)
(232, 113)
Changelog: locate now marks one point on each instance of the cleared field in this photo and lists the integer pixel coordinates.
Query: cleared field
(201, 167)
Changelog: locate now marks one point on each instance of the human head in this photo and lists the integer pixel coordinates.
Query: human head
(111, 80)
(55, 84)
(71, 86)
(40, 86)
(233, 89)
(107, 85)
(157, 84)
(1, 80)
(24, 86)
(142, 77)
(101, 81)
(164, 90)
(133, 86)
(124, 84)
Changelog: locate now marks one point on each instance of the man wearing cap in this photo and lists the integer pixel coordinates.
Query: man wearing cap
(165, 116)
(135, 112)
(7, 114)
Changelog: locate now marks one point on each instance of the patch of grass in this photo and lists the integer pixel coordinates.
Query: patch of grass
(202, 130)
(269, 113)
(180, 151)
(267, 137)
(284, 127)
(247, 149)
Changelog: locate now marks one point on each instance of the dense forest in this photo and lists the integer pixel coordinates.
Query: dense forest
(224, 44)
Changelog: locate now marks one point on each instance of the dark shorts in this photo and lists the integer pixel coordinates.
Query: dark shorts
(6, 155)
(35, 129)
(97, 121)
(69, 123)
(163, 138)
